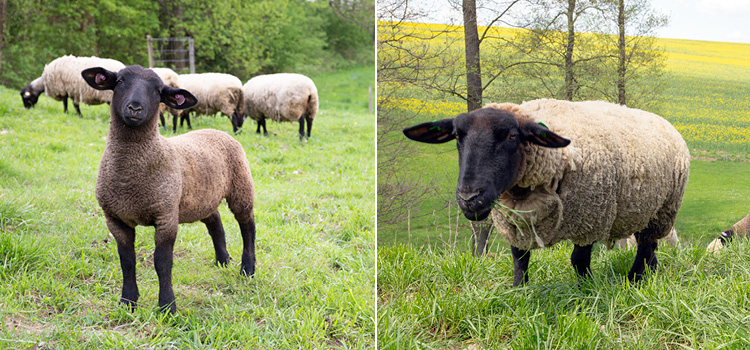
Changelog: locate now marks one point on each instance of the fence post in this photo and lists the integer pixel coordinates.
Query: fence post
(150, 51)
(191, 48)
(369, 102)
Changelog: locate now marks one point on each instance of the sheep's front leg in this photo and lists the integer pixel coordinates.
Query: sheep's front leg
(520, 265)
(164, 239)
(65, 104)
(216, 230)
(247, 230)
(581, 259)
(78, 109)
(125, 238)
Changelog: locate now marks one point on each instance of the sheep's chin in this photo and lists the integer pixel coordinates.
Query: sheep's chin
(479, 215)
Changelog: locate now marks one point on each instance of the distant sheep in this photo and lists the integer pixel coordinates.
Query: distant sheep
(171, 79)
(741, 228)
(146, 179)
(61, 79)
(617, 171)
(281, 97)
(216, 92)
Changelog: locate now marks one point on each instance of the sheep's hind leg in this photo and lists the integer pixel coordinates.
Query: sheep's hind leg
(65, 104)
(247, 230)
(164, 239)
(581, 259)
(216, 230)
(309, 125)
(645, 255)
(125, 238)
(520, 265)
(301, 127)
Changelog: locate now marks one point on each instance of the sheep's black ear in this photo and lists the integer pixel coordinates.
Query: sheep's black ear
(100, 78)
(438, 131)
(539, 134)
(177, 98)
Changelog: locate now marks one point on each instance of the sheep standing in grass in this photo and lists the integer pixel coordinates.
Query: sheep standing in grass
(61, 79)
(281, 97)
(171, 79)
(741, 228)
(216, 92)
(617, 171)
(147, 179)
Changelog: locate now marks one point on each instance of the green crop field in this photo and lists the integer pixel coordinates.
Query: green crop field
(314, 286)
(432, 293)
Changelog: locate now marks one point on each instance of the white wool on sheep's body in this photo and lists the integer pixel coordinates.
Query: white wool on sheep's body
(280, 97)
(62, 78)
(623, 169)
(167, 76)
(216, 92)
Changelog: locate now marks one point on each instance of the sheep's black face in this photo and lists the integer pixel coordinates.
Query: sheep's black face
(489, 153)
(29, 97)
(136, 93)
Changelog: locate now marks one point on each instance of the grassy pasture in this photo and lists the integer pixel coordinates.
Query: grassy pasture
(60, 277)
(433, 294)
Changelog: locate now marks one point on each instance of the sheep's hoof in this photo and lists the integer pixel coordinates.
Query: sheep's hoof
(170, 308)
(130, 304)
(248, 271)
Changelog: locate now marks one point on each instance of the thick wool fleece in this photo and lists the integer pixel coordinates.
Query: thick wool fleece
(145, 178)
(62, 79)
(624, 169)
(216, 92)
(280, 97)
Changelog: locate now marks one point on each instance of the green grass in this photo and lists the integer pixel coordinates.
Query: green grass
(314, 286)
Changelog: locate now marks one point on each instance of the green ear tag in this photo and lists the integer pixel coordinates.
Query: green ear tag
(542, 124)
(435, 127)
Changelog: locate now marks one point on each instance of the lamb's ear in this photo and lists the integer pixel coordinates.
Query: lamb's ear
(177, 98)
(100, 78)
(539, 134)
(438, 131)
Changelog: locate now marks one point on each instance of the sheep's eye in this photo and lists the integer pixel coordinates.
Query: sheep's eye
(119, 81)
(156, 92)
(512, 136)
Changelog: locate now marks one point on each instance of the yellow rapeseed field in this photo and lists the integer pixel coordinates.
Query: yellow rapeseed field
(707, 95)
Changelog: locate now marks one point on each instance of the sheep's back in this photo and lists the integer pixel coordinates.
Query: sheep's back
(62, 78)
(623, 169)
(280, 97)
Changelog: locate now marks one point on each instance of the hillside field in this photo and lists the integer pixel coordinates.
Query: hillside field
(314, 286)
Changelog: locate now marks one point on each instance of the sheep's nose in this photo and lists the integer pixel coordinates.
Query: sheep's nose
(467, 196)
(135, 109)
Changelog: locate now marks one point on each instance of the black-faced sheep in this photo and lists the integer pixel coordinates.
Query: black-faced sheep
(617, 171)
(61, 79)
(741, 228)
(147, 179)
(216, 92)
(281, 97)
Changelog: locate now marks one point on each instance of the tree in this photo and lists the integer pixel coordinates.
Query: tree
(359, 12)
(473, 66)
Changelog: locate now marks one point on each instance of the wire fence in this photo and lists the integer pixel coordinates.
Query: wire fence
(175, 53)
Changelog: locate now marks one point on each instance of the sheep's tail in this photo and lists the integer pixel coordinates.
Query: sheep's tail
(311, 109)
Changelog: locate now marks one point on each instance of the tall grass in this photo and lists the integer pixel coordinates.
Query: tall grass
(315, 214)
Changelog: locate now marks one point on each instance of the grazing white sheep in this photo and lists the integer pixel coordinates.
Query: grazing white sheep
(61, 79)
(281, 97)
(741, 228)
(549, 170)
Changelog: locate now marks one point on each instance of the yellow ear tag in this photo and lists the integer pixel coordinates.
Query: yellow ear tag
(27, 94)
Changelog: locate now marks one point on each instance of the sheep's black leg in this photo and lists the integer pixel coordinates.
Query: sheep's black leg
(125, 238)
(187, 118)
(301, 127)
(265, 131)
(65, 104)
(581, 259)
(216, 230)
(647, 245)
(248, 246)
(520, 265)
(78, 109)
(262, 123)
(161, 119)
(174, 122)
(309, 125)
(164, 239)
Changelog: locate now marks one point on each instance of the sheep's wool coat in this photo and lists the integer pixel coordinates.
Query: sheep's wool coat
(216, 92)
(280, 97)
(62, 78)
(623, 170)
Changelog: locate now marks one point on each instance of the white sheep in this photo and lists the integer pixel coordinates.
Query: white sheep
(281, 97)
(216, 92)
(741, 228)
(622, 171)
(61, 79)
(171, 79)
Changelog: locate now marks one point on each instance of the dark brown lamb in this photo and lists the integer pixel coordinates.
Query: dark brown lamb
(147, 179)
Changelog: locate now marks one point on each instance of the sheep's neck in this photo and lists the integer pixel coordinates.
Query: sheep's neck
(121, 133)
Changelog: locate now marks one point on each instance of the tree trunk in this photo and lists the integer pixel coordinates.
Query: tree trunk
(568, 64)
(471, 42)
(621, 68)
(2, 27)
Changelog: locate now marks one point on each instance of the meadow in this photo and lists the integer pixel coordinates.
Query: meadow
(314, 285)
(433, 293)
